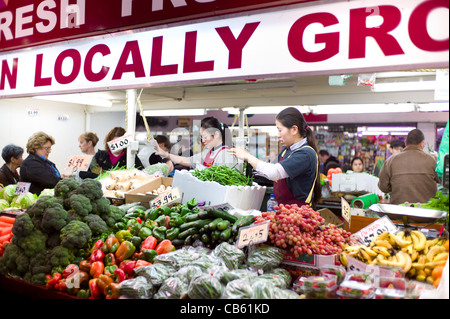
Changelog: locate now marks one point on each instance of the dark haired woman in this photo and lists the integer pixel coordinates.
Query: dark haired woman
(12, 154)
(216, 139)
(296, 173)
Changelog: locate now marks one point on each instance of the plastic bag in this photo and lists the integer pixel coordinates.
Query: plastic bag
(238, 289)
(172, 288)
(283, 293)
(136, 288)
(232, 256)
(264, 257)
(155, 273)
(187, 273)
(205, 286)
(279, 277)
(160, 169)
(262, 289)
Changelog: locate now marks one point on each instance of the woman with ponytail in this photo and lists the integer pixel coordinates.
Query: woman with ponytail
(216, 139)
(296, 174)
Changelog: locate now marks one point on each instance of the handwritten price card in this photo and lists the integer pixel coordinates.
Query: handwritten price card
(166, 198)
(22, 188)
(253, 234)
(368, 233)
(79, 163)
(120, 143)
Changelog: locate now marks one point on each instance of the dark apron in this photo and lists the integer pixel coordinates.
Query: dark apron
(282, 192)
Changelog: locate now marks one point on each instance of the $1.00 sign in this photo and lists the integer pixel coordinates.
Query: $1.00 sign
(120, 143)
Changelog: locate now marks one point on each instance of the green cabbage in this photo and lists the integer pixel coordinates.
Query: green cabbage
(3, 204)
(47, 192)
(8, 192)
(24, 200)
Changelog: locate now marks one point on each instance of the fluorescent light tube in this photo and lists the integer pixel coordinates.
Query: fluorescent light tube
(175, 112)
(76, 98)
(405, 86)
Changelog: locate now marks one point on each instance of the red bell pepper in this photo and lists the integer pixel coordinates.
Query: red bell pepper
(61, 285)
(142, 263)
(121, 275)
(93, 288)
(103, 282)
(112, 291)
(97, 255)
(165, 247)
(149, 243)
(98, 245)
(53, 280)
(70, 269)
(125, 250)
(127, 266)
(85, 265)
(96, 269)
(109, 260)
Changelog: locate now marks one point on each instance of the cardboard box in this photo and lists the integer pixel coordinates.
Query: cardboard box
(140, 194)
(239, 197)
(331, 218)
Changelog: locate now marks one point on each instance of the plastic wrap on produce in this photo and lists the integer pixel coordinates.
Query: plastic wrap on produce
(136, 288)
(205, 286)
(155, 273)
(238, 289)
(232, 256)
(182, 257)
(172, 288)
(264, 257)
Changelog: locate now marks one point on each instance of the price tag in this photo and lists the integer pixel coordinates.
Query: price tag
(253, 234)
(368, 233)
(346, 210)
(357, 265)
(79, 163)
(120, 143)
(22, 188)
(167, 198)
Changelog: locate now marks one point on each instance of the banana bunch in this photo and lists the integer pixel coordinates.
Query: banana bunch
(409, 250)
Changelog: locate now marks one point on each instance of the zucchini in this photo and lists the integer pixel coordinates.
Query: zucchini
(225, 234)
(216, 213)
(212, 225)
(223, 225)
(186, 233)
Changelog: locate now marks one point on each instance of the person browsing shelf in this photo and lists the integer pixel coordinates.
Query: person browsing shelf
(12, 155)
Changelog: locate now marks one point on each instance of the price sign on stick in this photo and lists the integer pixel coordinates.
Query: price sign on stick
(368, 233)
(22, 188)
(167, 198)
(253, 234)
(79, 163)
(120, 143)
(346, 210)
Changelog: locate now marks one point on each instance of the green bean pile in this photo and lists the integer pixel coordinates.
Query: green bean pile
(223, 175)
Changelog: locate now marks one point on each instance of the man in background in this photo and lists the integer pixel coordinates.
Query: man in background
(328, 161)
(410, 175)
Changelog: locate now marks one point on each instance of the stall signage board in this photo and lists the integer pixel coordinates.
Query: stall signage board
(167, 198)
(342, 37)
(253, 234)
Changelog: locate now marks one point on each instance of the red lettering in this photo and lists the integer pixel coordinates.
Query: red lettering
(38, 79)
(131, 47)
(417, 27)
(235, 46)
(331, 40)
(7, 73)
(103, 49)
(359, 31)
(190, 64)
(76, 67)
(156, 67)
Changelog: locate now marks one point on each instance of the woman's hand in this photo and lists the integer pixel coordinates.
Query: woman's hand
(160, 151)
(240, 153)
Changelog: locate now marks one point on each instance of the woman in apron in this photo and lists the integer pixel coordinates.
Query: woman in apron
(296, 174)
(216, 139)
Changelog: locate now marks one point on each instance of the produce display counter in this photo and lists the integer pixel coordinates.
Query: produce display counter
(11, 287)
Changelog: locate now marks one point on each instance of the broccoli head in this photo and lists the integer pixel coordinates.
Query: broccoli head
(72, 215)
(39, 279)
(100, 206)
(114, 215)
(80, 204)
(75, 234)
(96, 224)
(23, 225)
(23, 263)
(53, 239)
(65, 186)
(54, 218)
(60, 256)
(90, 188)
(34, 243)
(43, 202)
(8, 261)
(40, 263)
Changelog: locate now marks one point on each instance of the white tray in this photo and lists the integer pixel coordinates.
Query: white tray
(408, 214)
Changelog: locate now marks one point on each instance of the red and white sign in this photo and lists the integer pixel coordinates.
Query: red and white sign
(338, 38)
(30, 22)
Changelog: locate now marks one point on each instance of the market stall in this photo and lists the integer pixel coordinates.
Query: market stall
(117, 238)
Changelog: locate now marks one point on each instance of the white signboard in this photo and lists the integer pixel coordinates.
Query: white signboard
(327, 38)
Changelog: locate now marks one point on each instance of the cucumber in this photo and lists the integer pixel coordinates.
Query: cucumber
(188, 241)
(225, 234)
(205, 238)
(241, 222)
(186, 233)
(200, 215)
(196, 223)
(212, 225)
(178, 242)
(195, 236)
(223, 225)
(216, 213)
(215, 234)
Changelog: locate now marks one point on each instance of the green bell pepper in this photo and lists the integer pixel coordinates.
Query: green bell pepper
(120, 225)
(123, 235)
(125, 251)
(176, 221)
(160, 233)
(134, 230)
(150, 224)
(172, 233)
(185, 210)
(151, 214)
(161, 220)
(163, 210)
(149, 255)
(144, 232)
(83, 293)
(136, 240)
(192, 203)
